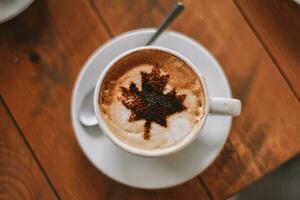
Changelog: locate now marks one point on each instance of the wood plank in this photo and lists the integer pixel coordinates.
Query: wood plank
(128, 15)
(20, 175)
(41, 54)
(277, 24)
(267, 132)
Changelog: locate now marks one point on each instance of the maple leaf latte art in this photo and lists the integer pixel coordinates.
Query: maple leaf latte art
(151, 99)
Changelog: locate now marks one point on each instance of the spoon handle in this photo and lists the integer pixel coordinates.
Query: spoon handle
(177, 9)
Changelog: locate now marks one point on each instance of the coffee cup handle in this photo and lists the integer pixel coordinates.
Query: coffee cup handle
(225, 106)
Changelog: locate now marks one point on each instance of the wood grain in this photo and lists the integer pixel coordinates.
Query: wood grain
(41, 54)
(125, 15)
(20, 175)
(42, 51)
(277, 25)
(267, 132)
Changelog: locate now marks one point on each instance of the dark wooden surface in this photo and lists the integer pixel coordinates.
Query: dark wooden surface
(277, 25)
(43, 49)
(21, 177)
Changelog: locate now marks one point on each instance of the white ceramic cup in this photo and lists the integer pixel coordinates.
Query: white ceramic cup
(214, 105)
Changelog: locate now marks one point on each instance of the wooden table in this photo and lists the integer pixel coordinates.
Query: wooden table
(43, 49)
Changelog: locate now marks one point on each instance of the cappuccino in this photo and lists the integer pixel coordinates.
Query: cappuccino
(151, 99)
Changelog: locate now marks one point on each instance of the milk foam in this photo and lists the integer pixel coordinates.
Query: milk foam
(179, 125)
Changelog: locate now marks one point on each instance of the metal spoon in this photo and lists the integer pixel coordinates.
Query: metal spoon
(87, 116)
(173, 14)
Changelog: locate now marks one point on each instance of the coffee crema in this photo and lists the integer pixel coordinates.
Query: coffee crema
(151, 99)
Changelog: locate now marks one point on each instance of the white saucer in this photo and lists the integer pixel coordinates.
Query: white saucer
(297, 1)
(11, 8)
(152, 173)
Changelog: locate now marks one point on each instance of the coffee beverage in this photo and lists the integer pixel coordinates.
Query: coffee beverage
(151, 99)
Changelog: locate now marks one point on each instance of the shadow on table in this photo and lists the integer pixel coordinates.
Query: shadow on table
(282, 184)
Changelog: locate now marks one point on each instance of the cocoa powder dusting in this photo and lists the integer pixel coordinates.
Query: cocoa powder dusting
(151, 104)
